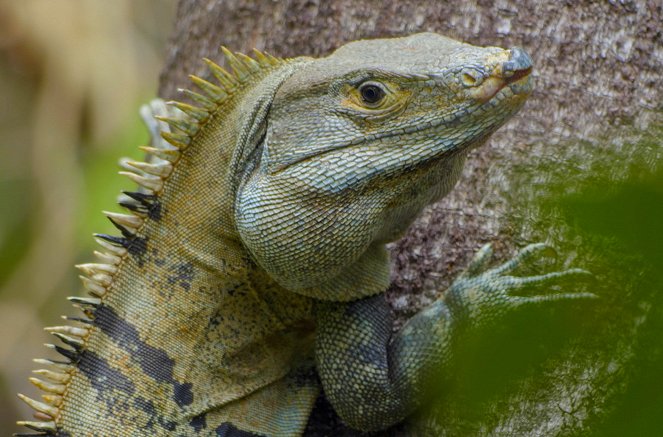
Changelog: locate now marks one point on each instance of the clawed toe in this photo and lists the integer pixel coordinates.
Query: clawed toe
(527, 253)
(495, 288)
(518, 283)
(543, 298)
(480, 261)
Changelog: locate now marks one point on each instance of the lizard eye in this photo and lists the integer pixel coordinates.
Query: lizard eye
(371, 93)
(372, 98)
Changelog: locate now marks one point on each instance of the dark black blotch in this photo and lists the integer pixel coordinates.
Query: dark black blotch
(156, 258)
(147, 406)
(303, 375)
(117, 241)
(71, 355)
(135, 245)
(107, 381)
(372, 317)
(216, 319)
(73, 344)
(154, 211)
(199, 422)
(102, 376)
(183, 394)
(132, 206)
(154, 362)
(229, 430)
(324, 421)
(146, 203)
(182, 275)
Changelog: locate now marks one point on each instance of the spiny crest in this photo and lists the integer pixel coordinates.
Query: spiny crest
(172, 129)
(178, 125)
(179, 129)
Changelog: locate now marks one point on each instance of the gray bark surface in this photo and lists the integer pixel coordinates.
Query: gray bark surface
(598, 66)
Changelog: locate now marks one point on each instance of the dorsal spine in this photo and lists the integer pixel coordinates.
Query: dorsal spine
(178, 133)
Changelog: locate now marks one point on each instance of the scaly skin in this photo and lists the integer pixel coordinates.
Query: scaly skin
(254, 255)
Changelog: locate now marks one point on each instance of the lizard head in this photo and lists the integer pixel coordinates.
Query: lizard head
(420, 97)
(357, 143)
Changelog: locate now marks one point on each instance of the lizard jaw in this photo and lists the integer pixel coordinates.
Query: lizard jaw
(514, 73)
(518, 82)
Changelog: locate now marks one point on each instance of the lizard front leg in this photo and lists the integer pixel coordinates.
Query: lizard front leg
(375, 379)
(371, 378)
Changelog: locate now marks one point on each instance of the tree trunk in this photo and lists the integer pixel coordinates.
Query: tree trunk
(598, 69)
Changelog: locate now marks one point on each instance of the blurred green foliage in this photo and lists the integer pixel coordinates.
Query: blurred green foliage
(599, 362)
(622, 221)
(73, 74)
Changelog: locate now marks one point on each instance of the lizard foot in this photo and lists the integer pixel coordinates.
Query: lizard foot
(493, 290)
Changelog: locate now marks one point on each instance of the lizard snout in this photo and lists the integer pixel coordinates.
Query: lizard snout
(512, 73)
(518, 66)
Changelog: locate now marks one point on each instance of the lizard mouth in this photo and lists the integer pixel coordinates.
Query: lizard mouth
(513, 73)
(519, 82)
(519, 75)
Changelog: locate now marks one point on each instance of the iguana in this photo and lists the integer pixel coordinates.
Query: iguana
(250, 269)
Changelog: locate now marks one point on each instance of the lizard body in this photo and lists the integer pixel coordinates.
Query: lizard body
(253, 258)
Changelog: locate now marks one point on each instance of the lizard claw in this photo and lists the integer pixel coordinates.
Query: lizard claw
(543, 298)
(479, 261)
(524, 255)
(515, 283)
(549, 279)
(483, 256)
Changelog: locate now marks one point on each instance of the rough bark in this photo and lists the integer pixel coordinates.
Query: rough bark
(598, 68)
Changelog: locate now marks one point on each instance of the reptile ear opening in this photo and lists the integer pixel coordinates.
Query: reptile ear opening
(471, 78)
